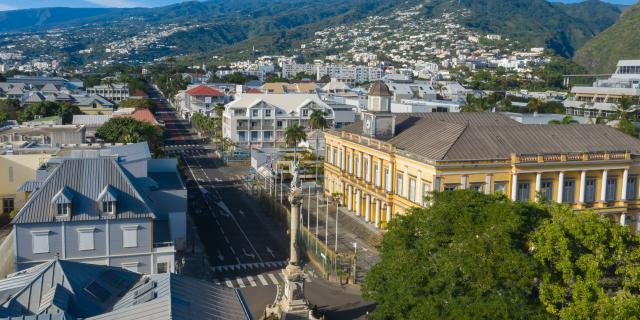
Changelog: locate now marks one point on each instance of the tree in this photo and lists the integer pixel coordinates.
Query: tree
(590, 266)
(48, 109)
(317, 122)
(534, 105)
(565, 120)
(293, 136)
(11, 108)
(469, 104)
(129, 130)
(465, 257)
(203, 124)
(326, 78)
(624, 107)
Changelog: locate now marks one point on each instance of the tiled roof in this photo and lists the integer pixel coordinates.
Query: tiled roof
(379, 88)
(138, 93)
(86, 179)
(203, 90)
(141, 114)
(489, 136)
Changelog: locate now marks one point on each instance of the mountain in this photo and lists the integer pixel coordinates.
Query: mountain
(561, 27)
(620, 41)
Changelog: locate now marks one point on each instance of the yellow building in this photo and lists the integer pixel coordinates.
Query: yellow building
(15, 170)
(387, 163)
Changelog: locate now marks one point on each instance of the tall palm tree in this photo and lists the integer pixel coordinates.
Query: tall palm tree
(625, 106)
(294, 135)
(565, 120)
(317, 122)
(469, 104)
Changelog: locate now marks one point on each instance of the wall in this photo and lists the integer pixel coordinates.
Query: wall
(24, 169)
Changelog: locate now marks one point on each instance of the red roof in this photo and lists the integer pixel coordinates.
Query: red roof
(254, 90)
(139, 93)
(203, 90)
(141, 114)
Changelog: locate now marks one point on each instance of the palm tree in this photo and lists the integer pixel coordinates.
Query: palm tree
(625, 106)
(534, 105)
(469, 104)
(294, 135)
(565, 120)
(317, 122)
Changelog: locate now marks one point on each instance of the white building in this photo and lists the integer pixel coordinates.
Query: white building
(115, 92)
(262, 119)
(601, 98)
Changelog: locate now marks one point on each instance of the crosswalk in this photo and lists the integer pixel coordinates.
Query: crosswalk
(251, 266)
(264, 279)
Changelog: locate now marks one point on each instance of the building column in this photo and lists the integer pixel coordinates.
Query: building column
(623, 219)
(583, 181)
(603, 187)
(514, 187)
(487, 184)
(625, 177)
(560, 186)
(367, 208)
(463, 182)
(349, 198)
(378, 208)
(389, 179)
(369, 173)
(378, 177)
(358, 202)
(343, 163)
(405, 181)
(538, 183)
(388, 213)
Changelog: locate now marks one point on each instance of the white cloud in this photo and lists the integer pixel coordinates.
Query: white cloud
(5, 7)
(117, 3)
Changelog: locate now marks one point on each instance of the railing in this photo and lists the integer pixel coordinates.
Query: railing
(596, 156)
(529, 158)
(574, 157)
(552, 157)
(557, 157)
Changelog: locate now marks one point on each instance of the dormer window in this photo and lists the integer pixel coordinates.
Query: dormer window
(107, 199)
(62, 202)
(64, 209)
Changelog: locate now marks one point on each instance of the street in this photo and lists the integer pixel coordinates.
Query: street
(243, 247)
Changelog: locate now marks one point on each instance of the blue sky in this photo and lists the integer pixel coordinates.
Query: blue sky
(13, 4)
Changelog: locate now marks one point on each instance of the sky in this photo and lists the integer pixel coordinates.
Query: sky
(26, 4)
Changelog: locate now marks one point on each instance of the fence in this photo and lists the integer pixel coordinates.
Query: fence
(339, 267)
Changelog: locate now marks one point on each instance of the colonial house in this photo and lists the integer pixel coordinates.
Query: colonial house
(202, 99)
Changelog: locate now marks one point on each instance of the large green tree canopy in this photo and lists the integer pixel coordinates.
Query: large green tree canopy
(591, 266)
(466, 257)
(129, 130)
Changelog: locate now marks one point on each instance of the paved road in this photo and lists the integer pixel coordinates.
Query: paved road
(245, 248)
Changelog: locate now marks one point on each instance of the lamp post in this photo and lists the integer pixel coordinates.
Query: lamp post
(337, 211)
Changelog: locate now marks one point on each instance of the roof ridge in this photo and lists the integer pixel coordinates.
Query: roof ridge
(130, 182)
(466, 126)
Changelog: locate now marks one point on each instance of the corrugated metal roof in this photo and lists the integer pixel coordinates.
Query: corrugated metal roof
(86, 178)
(488, 136)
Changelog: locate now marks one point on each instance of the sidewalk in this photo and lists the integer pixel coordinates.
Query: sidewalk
(351, 229)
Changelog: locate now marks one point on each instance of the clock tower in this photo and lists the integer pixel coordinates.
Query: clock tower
(378, 121)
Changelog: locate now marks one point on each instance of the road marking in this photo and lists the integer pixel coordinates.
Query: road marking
(263, 280)
(228, 282)
(250, 255)
(240, 282)
(251, 281)
(282, 276)
(220, 256)
(273, 278)
(271, 252)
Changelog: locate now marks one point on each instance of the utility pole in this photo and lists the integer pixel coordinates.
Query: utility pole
(337, 211)
(317, 214)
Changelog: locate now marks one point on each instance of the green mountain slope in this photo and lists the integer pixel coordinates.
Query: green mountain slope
(561, 27)
(620, 41)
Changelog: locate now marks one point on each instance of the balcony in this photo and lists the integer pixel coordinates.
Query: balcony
(164, 247)
(565, 157)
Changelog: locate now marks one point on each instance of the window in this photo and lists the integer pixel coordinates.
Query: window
(305, 112)
(387, 179)
(399, 183)
(611, 189)
(8, 205)
(267, 113)
(242, 136)
(162, 267)
(279, 124)
(40, 241)
(546, 191)
(569, 191)
(523, 191)
(590, 190)
(63, 209)
(367, 175)
(500, 187)
(109, 207)
(254, 113)
(350, 162)
(632, 187)
(376, 175)
(412, 189)
(334, 156)
(451, 186)
(254, 135)
(130, 236)
(267, 135)
(475, 187)
(86, 239)
(426, 189)
(358, 165)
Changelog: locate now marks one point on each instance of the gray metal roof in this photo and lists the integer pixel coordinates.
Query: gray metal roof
(86, 179)
(487, 136)
(91, 119)
(129, 152)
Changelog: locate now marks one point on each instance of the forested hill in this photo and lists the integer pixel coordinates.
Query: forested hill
(620, 41)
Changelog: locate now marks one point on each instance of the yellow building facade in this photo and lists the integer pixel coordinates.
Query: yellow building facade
(379, 179)
(15, 170)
